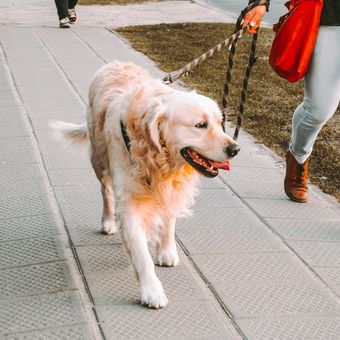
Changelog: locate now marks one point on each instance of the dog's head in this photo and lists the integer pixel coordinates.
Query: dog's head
(190, 127)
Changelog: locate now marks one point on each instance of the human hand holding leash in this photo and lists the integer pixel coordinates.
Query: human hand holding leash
(254, 17)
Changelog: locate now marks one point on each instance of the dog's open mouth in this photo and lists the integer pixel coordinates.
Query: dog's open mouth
(203, 165)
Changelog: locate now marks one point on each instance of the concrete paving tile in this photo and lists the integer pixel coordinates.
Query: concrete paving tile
(10, 113)
(219, 218)
(331, 276)
(11, 123)
(252, 175)
(195, 320)
(42, 123)
(53, 113)
(28, 206)
(104, 258)
(325, 254)
(92, 236)
(35, 80)
(7, 101)
(84, 212)
(16, 143)
(46, 135)
(35, 279)
(121, 286)
(6, 3)
(81, 332)
(211, 183)
(55, 147)
(30, 251)
(23, 188)
(314, 210)
(39, 312)
(72, 177)
(13, 130)
(20, 38)
(66, 161)
(256, 267)
(217, 198)
(77, 193)
(77, 75)
(58, 103)
(306, 230)
(5, 91)
(316, 328)
(4, 85)
(253, 190)
(219, 241)
(19, 172)
(274, 300)
(111, 47)
(19, 157)
(253, 155)
(27, 227)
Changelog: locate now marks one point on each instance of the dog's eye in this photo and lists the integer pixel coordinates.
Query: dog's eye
(202, 125)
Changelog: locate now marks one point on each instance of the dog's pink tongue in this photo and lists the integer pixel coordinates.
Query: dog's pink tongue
(221, 165)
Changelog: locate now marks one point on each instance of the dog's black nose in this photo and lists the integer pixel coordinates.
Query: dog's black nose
(233, 149)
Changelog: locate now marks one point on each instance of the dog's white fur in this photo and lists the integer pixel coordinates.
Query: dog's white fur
(145, 191)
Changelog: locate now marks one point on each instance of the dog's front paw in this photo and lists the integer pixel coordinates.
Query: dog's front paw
(109, 226)
(167, 257)
(152, 295)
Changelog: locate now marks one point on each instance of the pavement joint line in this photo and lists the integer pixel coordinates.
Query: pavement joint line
(34, 264)
(55, 61)
(317, 277)
(212, 289)
(32, 295)
(23, 216)
(90, 46)
(39, 329)
(72, 246)
(78, 276)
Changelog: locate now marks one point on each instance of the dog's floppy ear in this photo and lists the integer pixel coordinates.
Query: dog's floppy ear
(154, 116)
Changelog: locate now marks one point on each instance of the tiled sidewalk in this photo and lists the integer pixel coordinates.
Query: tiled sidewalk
(253, 264)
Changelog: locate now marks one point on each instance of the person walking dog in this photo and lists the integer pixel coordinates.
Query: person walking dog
(321, 96)
(66, 12)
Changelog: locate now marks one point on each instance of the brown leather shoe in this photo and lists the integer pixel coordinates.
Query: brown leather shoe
(296, 179)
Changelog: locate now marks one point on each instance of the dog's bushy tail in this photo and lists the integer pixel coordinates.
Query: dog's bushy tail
(73, 134)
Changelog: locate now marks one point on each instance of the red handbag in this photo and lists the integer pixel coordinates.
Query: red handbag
(295, 38)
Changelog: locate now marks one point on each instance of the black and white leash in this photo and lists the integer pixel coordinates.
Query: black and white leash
(232, 41)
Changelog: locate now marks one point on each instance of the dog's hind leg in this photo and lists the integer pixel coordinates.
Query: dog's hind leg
(135, 240)
(101, 168)
(108, 218)
(166, 248)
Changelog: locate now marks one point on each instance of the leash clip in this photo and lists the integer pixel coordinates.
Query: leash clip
(167, 79)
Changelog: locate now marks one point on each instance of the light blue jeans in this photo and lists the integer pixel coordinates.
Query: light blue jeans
(322, 93)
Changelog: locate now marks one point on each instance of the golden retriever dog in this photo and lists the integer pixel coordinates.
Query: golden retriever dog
(148, 144)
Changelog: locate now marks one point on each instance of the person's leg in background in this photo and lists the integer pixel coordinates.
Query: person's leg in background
(62, 9)
(71, 10)
(322, 95)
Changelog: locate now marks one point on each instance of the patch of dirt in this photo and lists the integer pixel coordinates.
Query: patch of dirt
(271, 100)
